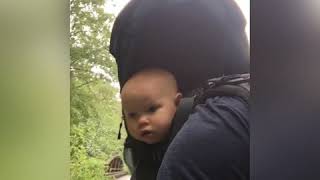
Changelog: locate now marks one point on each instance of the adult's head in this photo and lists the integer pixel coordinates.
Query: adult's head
(149, 101)
(193, 39)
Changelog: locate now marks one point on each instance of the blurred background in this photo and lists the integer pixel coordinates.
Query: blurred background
(59, 97)
(95, 112)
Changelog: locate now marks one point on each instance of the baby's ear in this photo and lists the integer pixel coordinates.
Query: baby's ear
(178, 98)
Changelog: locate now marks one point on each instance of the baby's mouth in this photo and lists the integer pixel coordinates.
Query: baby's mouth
(145, 133)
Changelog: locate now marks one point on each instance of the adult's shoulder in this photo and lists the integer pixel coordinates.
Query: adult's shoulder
(213, 143)
(218, 116)
(229, 112)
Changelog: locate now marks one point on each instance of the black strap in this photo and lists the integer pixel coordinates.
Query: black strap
(233, 85)
(224, 90)
(181, 116)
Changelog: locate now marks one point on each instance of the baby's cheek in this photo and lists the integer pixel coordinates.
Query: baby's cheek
(166, 125)
(131, 130)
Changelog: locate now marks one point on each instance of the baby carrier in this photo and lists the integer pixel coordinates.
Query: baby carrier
(144, 160)
(195, 40)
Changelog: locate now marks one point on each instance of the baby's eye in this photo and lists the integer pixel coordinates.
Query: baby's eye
(132, 115)
(153, 109)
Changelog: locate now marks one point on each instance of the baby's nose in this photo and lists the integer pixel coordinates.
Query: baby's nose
(143, 121)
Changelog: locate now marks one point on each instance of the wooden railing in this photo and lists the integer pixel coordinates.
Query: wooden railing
(114, 168)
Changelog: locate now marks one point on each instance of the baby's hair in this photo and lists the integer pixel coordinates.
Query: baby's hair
(161, 75)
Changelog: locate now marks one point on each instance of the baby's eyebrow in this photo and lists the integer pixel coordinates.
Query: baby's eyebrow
(133, 113)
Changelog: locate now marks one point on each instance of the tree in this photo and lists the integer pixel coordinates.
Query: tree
(95, 108)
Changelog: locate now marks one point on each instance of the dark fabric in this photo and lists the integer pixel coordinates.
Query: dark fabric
(147, 170)
(144, 159)
(212, 145)
(181, 116)
(232, 85)
(202, 37)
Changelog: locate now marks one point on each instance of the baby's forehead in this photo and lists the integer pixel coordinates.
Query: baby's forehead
(152, 78)
(133, 99)
(143, 89)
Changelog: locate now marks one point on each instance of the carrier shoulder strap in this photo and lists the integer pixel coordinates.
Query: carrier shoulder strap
(234, 85)
(183, 111)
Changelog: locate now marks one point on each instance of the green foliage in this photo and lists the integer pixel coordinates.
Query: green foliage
(95, 109)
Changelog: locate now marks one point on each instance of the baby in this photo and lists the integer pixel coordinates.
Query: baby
(149, 101)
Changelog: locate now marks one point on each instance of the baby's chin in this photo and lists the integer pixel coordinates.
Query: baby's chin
(150, 142)
(150, 139)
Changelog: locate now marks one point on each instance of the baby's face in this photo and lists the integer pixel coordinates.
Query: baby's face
(149, 113)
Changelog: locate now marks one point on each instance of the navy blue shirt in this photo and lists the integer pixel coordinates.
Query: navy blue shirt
(212, 145)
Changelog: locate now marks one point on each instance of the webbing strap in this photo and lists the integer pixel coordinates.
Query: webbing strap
(233, 85)
(224, 90)
(183, 111)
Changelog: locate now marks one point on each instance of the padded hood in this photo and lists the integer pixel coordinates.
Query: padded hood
(194, 39)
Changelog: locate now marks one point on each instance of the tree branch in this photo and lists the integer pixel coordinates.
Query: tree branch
(86, 83)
